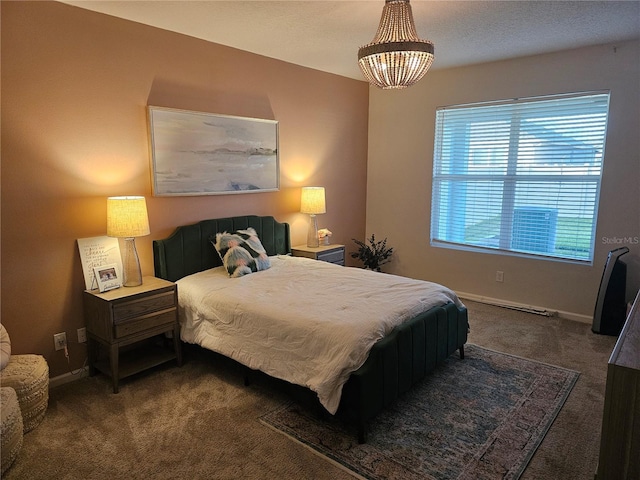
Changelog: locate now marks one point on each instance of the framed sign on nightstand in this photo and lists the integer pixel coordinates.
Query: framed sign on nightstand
(97, 252)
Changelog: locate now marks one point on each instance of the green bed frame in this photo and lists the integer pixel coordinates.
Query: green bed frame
(395, 363)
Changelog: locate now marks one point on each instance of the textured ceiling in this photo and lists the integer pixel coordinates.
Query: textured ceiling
(325, 35)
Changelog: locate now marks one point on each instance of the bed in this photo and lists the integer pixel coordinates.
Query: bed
(242, 318)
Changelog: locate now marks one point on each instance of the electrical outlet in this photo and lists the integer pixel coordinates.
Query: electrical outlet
(82, 335)
(60, 340)
(499, 276)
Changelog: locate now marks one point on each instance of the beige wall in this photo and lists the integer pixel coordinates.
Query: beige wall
(75, 86)
(401, 136)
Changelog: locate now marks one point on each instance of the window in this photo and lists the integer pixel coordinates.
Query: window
(521, 176)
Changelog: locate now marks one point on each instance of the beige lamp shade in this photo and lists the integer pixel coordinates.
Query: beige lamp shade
(127, 217)
(312, 200)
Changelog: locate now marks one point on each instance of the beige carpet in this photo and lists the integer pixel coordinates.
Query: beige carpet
(201, 422)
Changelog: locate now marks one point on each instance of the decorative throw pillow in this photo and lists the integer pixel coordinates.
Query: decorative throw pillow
(5, 347)
(241, 252)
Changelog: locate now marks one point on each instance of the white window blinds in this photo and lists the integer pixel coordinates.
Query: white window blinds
(520, 176)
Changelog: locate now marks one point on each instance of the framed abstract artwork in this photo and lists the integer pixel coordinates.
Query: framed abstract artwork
(195, 153)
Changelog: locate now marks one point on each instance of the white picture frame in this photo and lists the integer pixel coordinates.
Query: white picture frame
(108, 277)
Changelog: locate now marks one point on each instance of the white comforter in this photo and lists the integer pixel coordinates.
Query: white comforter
(308, 322)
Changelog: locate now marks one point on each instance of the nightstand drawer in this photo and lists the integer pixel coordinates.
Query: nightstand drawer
(153, 303)
(335, 256)
(326, 253)
(143, 323)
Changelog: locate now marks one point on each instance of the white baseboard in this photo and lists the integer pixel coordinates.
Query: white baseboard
(68, 377)
(527, 308)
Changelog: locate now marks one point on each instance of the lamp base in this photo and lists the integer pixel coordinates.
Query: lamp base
(132, 275)
(312, 235)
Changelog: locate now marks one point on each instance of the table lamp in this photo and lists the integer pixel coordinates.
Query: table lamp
(127, 218)
(312, 202)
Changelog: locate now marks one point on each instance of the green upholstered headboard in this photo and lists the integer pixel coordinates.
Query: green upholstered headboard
(188, 250)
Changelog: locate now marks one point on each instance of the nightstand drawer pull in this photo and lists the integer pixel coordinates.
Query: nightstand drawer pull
(143, 323)
(126, 310)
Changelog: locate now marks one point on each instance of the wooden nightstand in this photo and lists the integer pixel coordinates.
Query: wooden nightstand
(132, 316)
(326, 253)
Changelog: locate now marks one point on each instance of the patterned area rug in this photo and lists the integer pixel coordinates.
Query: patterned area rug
(478, 418)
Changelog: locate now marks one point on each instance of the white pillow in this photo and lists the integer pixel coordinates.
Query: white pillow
(5, 347)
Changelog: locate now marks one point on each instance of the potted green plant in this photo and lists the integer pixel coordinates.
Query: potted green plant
(373, 255)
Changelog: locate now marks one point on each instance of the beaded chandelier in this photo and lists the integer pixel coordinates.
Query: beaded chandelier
(396, 58)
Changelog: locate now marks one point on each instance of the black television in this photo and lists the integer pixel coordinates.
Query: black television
(611, 309)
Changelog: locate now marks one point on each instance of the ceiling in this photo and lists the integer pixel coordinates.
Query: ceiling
(326, 35)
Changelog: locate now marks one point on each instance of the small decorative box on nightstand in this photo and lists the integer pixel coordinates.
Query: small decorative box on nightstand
(326, 253)
(137, 316)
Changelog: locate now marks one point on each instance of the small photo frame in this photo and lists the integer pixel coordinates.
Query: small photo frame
(108, 277)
